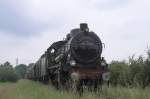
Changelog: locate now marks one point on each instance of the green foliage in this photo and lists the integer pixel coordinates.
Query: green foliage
(7, 73)
(146, 78)
(135, 72)
(119, 73)
(21, 70)
(25, 89)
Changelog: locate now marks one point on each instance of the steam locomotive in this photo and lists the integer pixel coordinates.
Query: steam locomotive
(73, 62)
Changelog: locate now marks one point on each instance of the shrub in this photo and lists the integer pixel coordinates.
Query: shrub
(119, 73)
(7, 73)
(21, 70)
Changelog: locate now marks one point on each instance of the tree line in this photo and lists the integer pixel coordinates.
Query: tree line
(133, 72)
(11, 73)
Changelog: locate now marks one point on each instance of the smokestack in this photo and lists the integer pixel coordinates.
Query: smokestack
(84, 27)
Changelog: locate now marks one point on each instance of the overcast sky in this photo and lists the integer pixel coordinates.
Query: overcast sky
(28, 27)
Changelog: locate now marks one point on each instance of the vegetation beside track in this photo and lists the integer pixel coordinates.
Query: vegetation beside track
(25, 89)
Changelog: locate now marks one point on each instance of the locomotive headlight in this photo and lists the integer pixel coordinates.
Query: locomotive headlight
(72, 62)
(69, 56)
(106, 76)
(75, 76)
(103, 64)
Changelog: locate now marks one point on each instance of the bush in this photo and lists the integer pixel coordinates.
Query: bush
(21, 70)
(135, 72)
(7, 73)
(119, 73)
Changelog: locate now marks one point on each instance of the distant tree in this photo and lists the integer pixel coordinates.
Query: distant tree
(137, 70)
(7, 64)
(1, 65)
(21, 70)
(30, 65)
(148, 54)
(146, 78)
(7, 73)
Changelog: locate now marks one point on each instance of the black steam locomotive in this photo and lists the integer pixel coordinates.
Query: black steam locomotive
(74, 62)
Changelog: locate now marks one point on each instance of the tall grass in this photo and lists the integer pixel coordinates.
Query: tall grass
(25, 89)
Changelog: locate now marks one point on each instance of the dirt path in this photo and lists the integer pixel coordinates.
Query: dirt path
(6, 91)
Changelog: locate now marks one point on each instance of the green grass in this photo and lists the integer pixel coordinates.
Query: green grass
(25, 89)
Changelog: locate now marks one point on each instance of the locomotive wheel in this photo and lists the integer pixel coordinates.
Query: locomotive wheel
(98, 86)
(75, 86)
(53, 81)
(59, 80)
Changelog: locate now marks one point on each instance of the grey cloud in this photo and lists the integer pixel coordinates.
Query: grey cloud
(122, 25)
(11, 21)
(110, 4)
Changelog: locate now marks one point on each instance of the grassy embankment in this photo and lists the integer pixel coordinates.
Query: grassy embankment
(25, 89)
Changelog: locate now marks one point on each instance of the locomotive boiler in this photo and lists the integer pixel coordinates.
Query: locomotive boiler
(73, 62)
